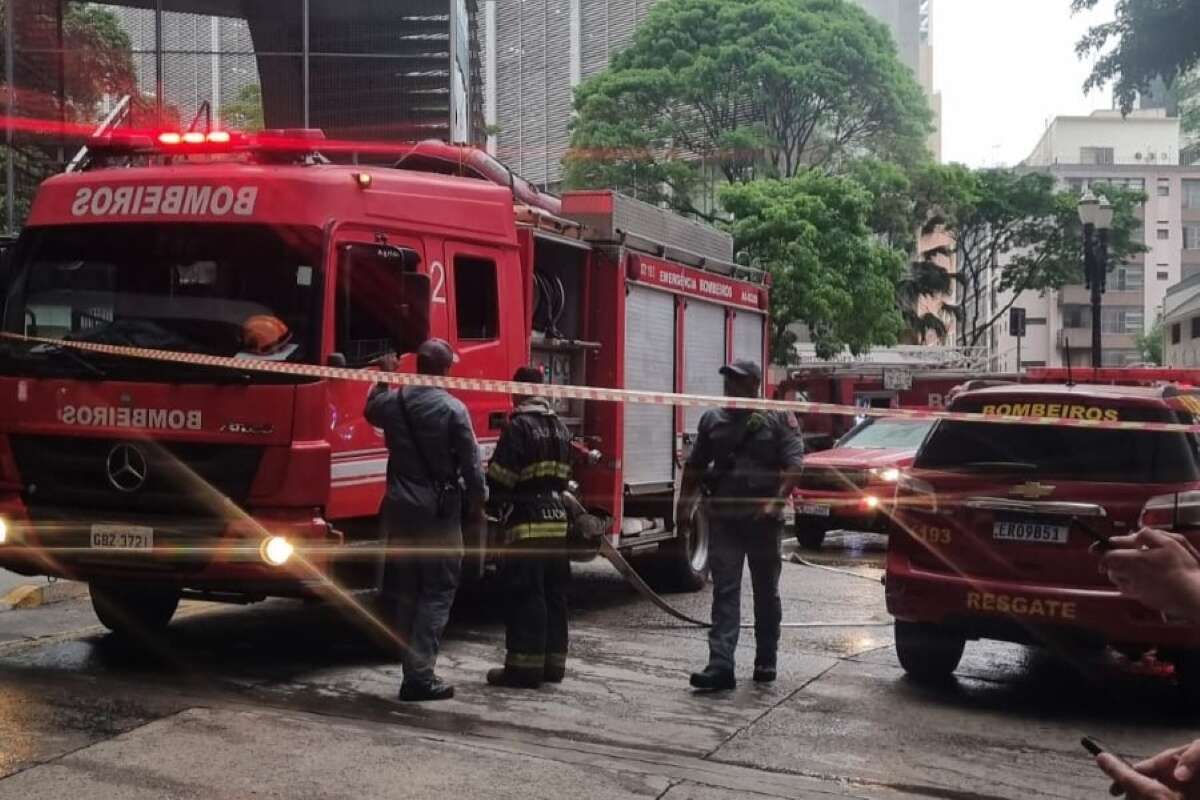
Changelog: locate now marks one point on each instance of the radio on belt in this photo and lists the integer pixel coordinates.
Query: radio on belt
(198, 399)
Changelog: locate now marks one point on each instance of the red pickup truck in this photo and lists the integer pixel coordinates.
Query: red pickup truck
(851, 486)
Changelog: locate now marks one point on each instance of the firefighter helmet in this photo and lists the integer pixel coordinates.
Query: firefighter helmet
(264, 335)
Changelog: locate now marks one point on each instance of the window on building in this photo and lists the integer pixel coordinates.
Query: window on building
(1176, 333)
(1035, 321)
(1196, 327)
(1130, 278)
(476, 298)
(1191, 194)
(1117, 319)
(1096, 155)
(1076, 316)
(1164, 189)
(1028, 364)
(1191, 236)
(1164, 234)
(1164, 276)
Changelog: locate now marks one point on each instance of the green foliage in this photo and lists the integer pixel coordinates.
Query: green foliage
(829, 270)
(1150, 344)
(1020, 221)
(98, 60)
(745, 89)
(245, 113)
(1148, 39)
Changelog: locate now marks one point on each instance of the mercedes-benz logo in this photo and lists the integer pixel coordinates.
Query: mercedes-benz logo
(127, 469)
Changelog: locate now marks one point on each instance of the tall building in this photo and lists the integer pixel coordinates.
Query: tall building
(1139, 152)
(535, 53)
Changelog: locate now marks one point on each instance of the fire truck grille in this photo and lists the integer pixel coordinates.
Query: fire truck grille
(199, 481)
(833, 478)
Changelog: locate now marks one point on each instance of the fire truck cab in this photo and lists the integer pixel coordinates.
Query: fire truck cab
(155, 480)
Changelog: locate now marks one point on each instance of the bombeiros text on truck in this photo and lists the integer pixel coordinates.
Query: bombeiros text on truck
(155, 480)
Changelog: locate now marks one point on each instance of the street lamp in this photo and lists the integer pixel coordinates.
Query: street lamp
(1096, 214)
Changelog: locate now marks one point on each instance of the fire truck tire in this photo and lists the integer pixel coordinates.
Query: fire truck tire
(680, 565)
(133, 612)
(810, 535)
(928, 653)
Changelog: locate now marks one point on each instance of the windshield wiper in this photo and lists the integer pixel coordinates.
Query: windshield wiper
(1000, 466)
(77, 357)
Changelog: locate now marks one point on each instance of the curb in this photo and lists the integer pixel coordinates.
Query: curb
(42, 594)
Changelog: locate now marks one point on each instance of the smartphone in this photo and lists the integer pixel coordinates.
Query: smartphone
(1102, 542)
(1095, 748)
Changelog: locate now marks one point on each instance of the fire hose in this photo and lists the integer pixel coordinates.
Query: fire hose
(630, 575)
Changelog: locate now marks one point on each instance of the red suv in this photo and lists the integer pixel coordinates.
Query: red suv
(851, 485)
(994, 525)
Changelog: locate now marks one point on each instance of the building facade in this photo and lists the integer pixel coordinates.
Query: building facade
(535, 52)
(1083, 153)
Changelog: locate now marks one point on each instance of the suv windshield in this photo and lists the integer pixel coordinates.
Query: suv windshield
(226, 290)
(888, 434)
(1066, 453)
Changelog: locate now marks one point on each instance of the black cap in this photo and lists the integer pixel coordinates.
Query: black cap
(742, 368)
(437, 353)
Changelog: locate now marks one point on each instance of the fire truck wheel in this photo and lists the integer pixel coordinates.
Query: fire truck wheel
(810, 535)
(680, 565)
(133, 612)
(928, 653)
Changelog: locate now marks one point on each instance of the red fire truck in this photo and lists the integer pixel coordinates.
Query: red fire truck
(154, 481)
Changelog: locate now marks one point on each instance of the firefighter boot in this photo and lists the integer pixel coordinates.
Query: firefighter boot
(520, 671)
(556, 667)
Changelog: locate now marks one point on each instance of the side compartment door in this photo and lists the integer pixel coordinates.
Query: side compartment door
(748, 338)
(478, 278)
(649, 436)
(703, 355)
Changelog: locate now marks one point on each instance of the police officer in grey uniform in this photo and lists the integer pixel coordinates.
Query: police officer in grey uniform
(433, 459)
(745, 463)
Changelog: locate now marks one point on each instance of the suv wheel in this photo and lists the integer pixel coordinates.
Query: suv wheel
(928, 653)
(133, 613)
(810, 535)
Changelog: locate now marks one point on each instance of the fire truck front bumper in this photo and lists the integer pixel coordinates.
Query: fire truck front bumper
(281, 552)
(1026, 612)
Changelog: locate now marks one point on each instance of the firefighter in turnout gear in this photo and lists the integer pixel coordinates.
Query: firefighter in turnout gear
(527, 476)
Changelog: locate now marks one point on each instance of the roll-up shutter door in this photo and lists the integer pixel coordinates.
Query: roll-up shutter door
(649, 366)
(703, 355)
(748, 337)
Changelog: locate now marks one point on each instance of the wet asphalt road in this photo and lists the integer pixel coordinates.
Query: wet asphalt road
(290, 700)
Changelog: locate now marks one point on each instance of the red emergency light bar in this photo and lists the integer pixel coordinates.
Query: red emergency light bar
(194, 139)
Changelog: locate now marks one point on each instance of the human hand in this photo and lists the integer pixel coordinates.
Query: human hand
(1170, 775)
(1158, 569)
(388, 362)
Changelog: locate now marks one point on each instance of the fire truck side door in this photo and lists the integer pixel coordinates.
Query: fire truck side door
(479, 281)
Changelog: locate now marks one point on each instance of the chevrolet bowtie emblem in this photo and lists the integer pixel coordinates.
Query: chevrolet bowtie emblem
(1032, 491)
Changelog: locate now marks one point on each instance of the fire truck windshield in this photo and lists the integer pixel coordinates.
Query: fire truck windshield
(231, 290)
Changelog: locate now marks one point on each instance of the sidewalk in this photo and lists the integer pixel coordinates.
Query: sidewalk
(11, 580)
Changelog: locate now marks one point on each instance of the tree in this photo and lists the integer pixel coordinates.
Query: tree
(742, 89)
(245, 113)
(1150, 344)
(1031, 232)
(927, 279)
(98, 59)
(829, 270)
(1149, 39)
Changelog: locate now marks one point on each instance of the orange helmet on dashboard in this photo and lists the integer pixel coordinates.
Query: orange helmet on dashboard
(264, 335)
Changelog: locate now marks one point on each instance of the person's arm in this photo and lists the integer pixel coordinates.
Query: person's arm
(1158, 569)
(380, 395)
(693, 473)
(791, 460)
(505, 466)
(466, 449)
